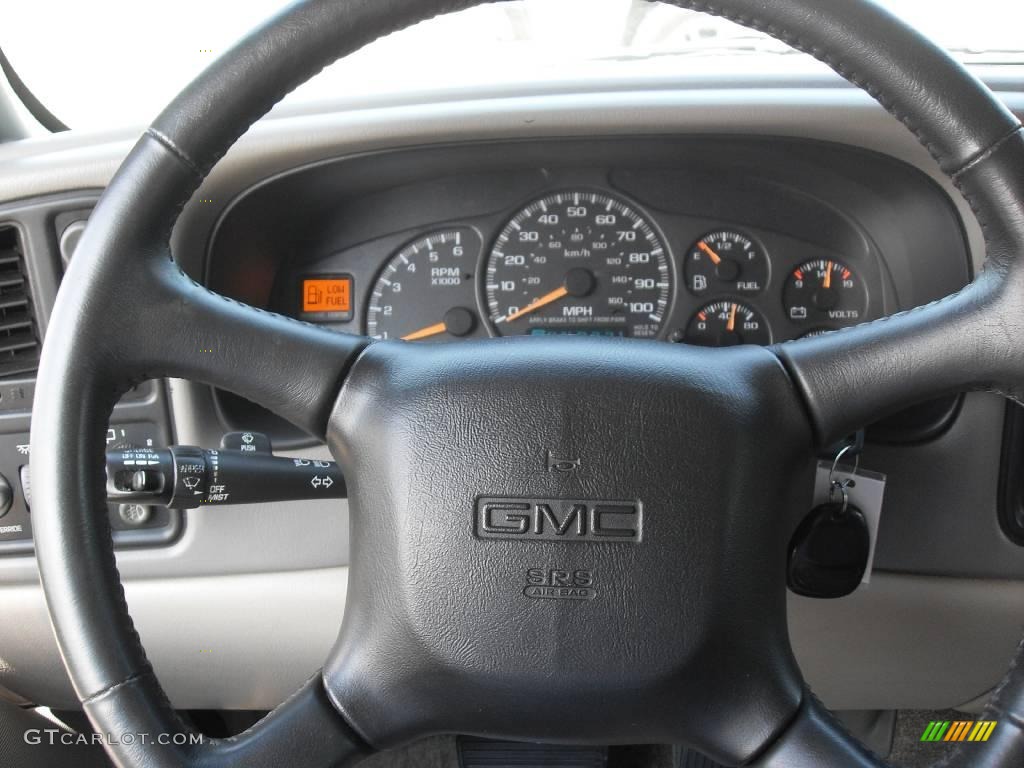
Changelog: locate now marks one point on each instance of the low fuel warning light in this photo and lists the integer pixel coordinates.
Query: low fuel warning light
(326, 298)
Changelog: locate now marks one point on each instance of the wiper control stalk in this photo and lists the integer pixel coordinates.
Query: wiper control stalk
(186, 477)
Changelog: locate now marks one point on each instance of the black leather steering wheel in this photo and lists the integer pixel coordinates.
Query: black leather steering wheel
(686, 639)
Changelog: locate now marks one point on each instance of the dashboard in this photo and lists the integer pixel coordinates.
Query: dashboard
(308, 212)
(706, 241)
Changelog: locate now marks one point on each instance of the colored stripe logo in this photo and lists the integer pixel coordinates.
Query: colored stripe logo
(958, 730)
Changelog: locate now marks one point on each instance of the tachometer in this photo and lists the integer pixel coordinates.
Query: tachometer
(426, 291)
(581, 263)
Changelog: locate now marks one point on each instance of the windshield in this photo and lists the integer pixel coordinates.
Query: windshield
(107, 63)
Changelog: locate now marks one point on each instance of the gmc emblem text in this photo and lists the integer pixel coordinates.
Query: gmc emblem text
(559, 520)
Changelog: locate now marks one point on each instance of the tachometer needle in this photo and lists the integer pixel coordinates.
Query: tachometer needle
(423, 333)
(536, 304)
(715, 258)
(731, 325)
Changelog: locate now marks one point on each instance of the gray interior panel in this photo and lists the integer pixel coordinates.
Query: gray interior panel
(241, 641)
(905, 642)
(248, 641)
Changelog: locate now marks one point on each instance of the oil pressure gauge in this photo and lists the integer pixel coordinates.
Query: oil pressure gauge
(824, 292)
(727, 324)
(726, 261)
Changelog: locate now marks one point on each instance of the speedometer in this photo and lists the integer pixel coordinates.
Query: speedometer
(579, 263)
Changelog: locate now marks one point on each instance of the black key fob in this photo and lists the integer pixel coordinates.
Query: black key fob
(829, 551)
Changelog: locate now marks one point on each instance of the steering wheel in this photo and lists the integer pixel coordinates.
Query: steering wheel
(682, 549)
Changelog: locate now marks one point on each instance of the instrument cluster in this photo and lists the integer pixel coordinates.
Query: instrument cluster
(701, 240)
(590, 262)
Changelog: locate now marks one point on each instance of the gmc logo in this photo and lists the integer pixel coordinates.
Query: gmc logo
(559, 520)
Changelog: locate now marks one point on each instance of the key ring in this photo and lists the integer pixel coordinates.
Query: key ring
(839, 456)
(841, 485)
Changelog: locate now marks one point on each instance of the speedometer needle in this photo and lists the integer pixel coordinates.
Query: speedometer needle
(423, 333)
(543, 301)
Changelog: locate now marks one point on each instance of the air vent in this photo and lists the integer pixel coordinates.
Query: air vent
(19, 336)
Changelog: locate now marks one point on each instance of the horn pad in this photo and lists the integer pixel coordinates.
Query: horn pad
(580, 540)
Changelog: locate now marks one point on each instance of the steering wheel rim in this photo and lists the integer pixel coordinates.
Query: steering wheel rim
(168, 322)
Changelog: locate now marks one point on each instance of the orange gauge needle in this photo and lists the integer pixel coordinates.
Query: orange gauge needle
(423, 333)
(715, 258)
(731, 325)
(536, 304)
(828, 276)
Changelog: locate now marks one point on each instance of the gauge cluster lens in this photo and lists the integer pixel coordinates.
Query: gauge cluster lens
(727, 323)
(427, 291)
(580, 263)
(586, 263)
(824, 292)
(726, 261)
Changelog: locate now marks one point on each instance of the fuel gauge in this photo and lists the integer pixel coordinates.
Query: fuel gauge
(824, 292)
(726, 262)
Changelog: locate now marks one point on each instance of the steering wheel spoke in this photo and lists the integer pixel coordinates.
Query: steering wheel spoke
(184, 330)
(305, 730)
(813, 739)
(853, 377)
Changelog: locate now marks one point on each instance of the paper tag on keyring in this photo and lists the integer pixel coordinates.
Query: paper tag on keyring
(865, 492)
